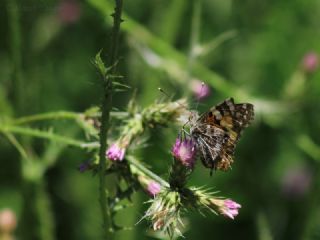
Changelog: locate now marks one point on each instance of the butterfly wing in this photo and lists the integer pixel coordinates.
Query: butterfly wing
(218, 130)
(210, 143)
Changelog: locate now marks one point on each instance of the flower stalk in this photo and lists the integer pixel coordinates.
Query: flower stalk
(64, 115)
(106, 107)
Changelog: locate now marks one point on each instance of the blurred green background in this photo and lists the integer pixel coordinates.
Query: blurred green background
(258, 51)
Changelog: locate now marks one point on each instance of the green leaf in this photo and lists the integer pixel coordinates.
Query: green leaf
(100, 64)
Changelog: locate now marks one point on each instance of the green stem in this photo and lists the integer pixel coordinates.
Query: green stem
(115, 36)
(177, 60)
(15, 44)
(62, 115)
(8, 130)
(17, 145)
(105, 115)
(194, 36)
(169, 28)
(36, 218)
(306, 144)
(217, 41)
(132, 160)
(37, 221)
(47, 135)
(47, 116)
(194, 41)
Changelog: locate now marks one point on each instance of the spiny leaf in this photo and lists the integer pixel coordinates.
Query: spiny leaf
(100, 64)
(118, 84)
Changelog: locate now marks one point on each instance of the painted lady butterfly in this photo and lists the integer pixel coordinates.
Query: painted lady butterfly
(217, 132)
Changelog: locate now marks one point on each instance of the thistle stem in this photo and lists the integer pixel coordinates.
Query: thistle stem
(47, 116)
(106, 107)
(26, 131)
(62, 115)
(16, 53)
(132, 160)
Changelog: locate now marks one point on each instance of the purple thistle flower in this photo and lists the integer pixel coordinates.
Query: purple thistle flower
(226, 207)
(115, 152)
(153, 188)
(310, 62)
(185, 152)
(199, 89)
(230, 208)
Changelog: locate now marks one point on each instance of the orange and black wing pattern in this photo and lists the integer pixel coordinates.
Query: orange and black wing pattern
(218, 131)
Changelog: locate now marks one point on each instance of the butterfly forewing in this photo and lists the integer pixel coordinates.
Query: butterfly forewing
(217, 131)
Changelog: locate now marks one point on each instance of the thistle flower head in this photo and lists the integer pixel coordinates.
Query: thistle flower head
(226, 207)
(310, 62)
(199, 89)
(115, 152)
(185, 152)
(164, 212)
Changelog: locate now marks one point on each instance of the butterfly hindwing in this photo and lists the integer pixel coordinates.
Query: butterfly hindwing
(210, 143)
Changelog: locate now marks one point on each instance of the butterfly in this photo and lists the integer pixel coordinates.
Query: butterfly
(217, 132)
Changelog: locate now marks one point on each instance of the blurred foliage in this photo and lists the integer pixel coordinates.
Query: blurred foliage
(250, 50)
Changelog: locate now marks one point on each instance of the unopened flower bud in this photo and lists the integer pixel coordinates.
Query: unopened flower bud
(153, 188)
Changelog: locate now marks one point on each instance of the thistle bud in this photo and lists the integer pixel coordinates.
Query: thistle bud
(226, 207)
(153, 188)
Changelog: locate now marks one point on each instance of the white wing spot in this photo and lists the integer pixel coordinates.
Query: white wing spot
(217, 114)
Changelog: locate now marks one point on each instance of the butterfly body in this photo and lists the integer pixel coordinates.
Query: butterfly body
(217, 132)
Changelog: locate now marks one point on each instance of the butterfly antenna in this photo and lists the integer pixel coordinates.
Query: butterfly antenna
(166, 94)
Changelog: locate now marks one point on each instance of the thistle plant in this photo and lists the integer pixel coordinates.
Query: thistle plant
(172, 202)
(112, 154)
